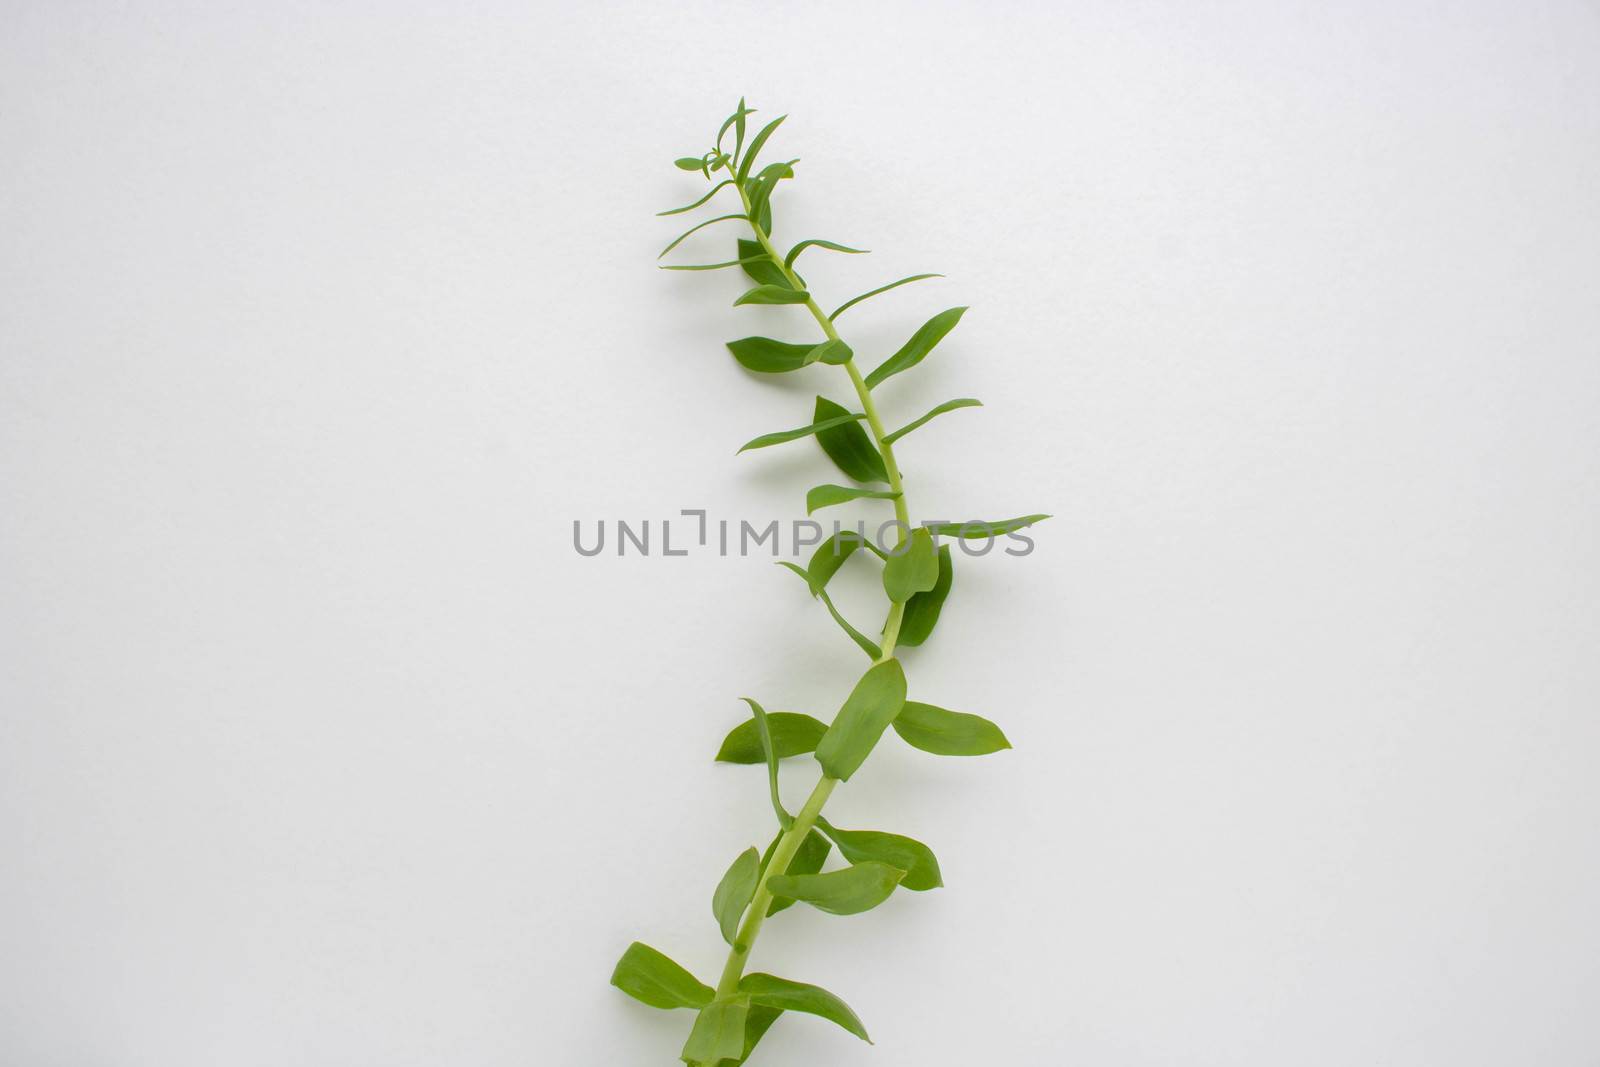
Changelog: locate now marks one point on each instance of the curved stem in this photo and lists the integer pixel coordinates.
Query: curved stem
(789, 842)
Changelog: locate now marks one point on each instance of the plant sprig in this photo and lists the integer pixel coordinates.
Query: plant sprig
(732, 1017)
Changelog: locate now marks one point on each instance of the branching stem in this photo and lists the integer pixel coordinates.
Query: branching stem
(791, 840)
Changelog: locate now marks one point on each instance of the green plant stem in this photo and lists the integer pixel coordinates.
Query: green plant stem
(788, 845)
(790, 842)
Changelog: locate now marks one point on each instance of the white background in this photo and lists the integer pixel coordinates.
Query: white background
(319, 325)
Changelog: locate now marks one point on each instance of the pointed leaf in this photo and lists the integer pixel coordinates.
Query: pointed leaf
(922, 610)
(777, 294)
(689, 163)
(760, 190)
(756, 145)
(792, 733)
(853, 301)
(767, 440)
(849, 446)
(808, 859)
(974, 530)
(704, 266)
(769, 754)
(759, 266)
(648, 976)
(766, 356)
(948, 733)
(865, 643)
(794, 253)
(830, 556)
(756, 1025)
(833, 351)
(909, 855)
(698, 226)
(913, 351)
(715, 189)
(912, 568)
(824, 496)
(948, 405)
(734, 892)
(867, 712)
(773, 992)
(855, 889)
(718, 1032)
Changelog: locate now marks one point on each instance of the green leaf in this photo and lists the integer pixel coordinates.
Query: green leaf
(792, 733)
(922, 610)
(794, 253)
(756, 1025)
(735, 119)
(718, 1032)
(865, 643)
(808, 859)
(761, 189)
(948, 733)
(853, 301)
(848, 445)
(767, 440)
(704, 266)
(830, 556)
(756, 145)
(912, 568)
(715, 189)
(766, 356)
(824, 496)
(769, 753)
(948, 405)
(759, 266)
(689, 163)
(648, 976)
(973, 530)
(913, 351)
(835, 352)
(866, 713)
(907, 854)
(857, 888)
(777, 294)
(699, 226)
(772, 992)
(734, 892)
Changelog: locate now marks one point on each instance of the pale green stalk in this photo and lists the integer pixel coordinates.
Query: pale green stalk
(806, 820)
